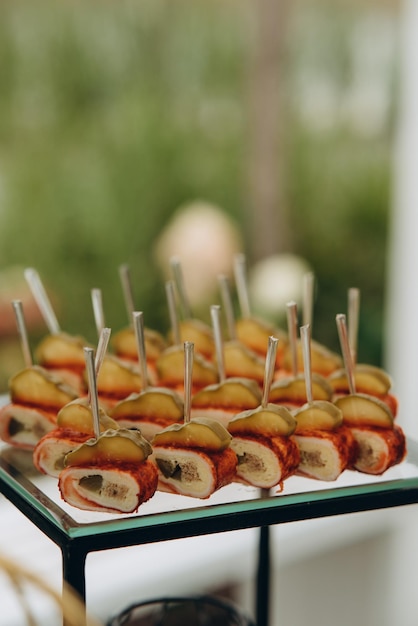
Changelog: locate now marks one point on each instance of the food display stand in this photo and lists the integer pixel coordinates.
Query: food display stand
(170, 516)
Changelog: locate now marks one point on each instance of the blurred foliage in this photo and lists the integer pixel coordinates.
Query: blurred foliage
(114, 114)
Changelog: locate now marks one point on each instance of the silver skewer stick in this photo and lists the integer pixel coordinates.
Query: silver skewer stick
(179, 282)
(215, 313)
(227, 306)
(101, 349)
(308, 298)
(93, 394)
(188, 375)
(240, 273)
(353, 321)
(346, 352)
(100, 355)
(269, 369)
(292, 325)
(125, 279)
(98, 312)
(172, 311)
(23, 333)
(305, 335)
(138, 321)
(41, 297)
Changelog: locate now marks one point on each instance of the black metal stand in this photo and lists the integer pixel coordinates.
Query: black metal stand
(263, 578)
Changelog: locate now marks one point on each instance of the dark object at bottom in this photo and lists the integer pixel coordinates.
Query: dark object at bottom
(193, 611)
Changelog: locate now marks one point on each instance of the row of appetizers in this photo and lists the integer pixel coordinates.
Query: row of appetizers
(258, 429)
(260, 446)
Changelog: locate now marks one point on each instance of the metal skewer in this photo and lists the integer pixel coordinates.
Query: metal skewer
(292, 324)
(125, 278)
(172, 310)
(41, 297)
(305, 334)
(240, 273)
(353, 321)
(188, 375)
(269, 369)
(23, 333)
(308, 298)
(179, 283)
(97, 302)
(346, 352)
(227, 306)
(215, 312)
(138, 321)
(101, 349)
(93, 394)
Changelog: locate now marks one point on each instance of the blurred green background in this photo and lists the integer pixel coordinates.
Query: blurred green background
(112, 115)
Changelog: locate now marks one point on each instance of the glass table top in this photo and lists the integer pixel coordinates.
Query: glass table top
(232, 507)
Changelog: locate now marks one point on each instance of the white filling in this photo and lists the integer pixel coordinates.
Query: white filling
(257, 464)
(109, 489)
(48, 455)
(319, 458)
(372, 452)
(184, 471)
(23, 426)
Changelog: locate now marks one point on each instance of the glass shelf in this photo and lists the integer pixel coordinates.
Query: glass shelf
(169, 516)
(234, 506)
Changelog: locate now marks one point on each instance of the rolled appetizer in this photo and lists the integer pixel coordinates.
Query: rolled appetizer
(36, 395)
(116, 380)
(368, 379)
(124, 346)
(170, 370)
(74, 425)
(380, 442)
(230, 395)
(326, 446)
(111, 473)
(267, 453)
(153, 408)
(62, 354)
(194, 458)
(261, 437)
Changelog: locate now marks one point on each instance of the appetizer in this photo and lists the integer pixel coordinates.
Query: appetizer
(326, 446)
(323, 360)
(290, 389)
(171, 363)
(152, 408)
(59, 352)
(380, 441)
(193, 458)
(36, 395)
(116, 380)
(368, 379)
(229, 396)
(111, 473)
(74, 425)
(63, 355)
(261, 438)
